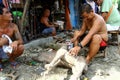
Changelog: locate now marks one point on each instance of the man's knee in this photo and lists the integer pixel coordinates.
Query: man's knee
(19, 50)
(21, 47)
(96, 38)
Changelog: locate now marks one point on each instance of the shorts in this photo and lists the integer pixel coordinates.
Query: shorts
(48, 31)
(3, 55)
(102, 44)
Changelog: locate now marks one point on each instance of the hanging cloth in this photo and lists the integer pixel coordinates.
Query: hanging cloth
(5, 2)
(15, 1)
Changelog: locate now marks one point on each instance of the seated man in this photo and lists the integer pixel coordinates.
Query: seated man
(9, 36)
(45, 26)
(110, 14)
(97, 32)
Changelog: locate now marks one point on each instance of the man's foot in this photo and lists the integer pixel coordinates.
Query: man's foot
(1, 69)
(14, 64)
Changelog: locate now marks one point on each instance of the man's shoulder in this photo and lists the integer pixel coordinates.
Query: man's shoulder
(43, 19)
(99, 18)
(13, 26)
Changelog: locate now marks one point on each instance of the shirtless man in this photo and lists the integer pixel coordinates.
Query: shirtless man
(96, 26)
(11, 30)
(45, 26)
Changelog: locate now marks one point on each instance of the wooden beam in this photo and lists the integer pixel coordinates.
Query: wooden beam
(26, 7)
(67, 16)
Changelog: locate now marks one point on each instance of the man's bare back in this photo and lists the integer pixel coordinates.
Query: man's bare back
(102, 30)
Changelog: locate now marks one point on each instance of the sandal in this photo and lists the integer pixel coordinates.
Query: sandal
(14, 64)
(1, 69)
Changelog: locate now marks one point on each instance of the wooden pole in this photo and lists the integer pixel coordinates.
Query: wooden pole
(67, 16)
(26, 7)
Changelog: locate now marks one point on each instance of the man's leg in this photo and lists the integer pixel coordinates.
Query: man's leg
(94, 47)
(16, 53)
(54, 32)
(50, 30)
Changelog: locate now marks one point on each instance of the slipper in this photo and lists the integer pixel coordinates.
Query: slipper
(1, 69)
(14, 64)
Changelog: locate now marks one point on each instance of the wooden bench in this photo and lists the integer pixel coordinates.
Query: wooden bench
(117, 42)
(116, 32)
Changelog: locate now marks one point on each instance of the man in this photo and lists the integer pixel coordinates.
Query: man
(97, 32)
(110, 14)
(45, 26)
(92, 3)
(10, 30)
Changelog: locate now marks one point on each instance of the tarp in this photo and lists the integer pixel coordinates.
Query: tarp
(74, 13)
(15, 1)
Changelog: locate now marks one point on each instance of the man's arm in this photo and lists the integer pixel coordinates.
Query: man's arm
(94, 30)
(105, 8)
(48, 24)
(17, 34)
(82, 30)
(3, 41)
(78, 34)
(104, 15)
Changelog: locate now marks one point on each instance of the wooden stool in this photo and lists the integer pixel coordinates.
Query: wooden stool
(102, 52)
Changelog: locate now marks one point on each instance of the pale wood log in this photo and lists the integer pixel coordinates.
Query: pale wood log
(26, 7)
(48, 57)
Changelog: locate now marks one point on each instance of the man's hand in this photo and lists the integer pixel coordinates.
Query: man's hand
(73, 39)
(74, 51)
(14, 45)
(55, 25)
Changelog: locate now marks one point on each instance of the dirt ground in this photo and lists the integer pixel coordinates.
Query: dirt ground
(100, 68)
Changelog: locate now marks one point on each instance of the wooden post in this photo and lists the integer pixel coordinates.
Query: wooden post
(26, 7)
(67, 16)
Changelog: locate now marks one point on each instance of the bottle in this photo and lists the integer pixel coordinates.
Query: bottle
(69, 44)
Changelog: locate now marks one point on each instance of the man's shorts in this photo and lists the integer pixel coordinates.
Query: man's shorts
(102, 44)
(48, 30)
(3, 55)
